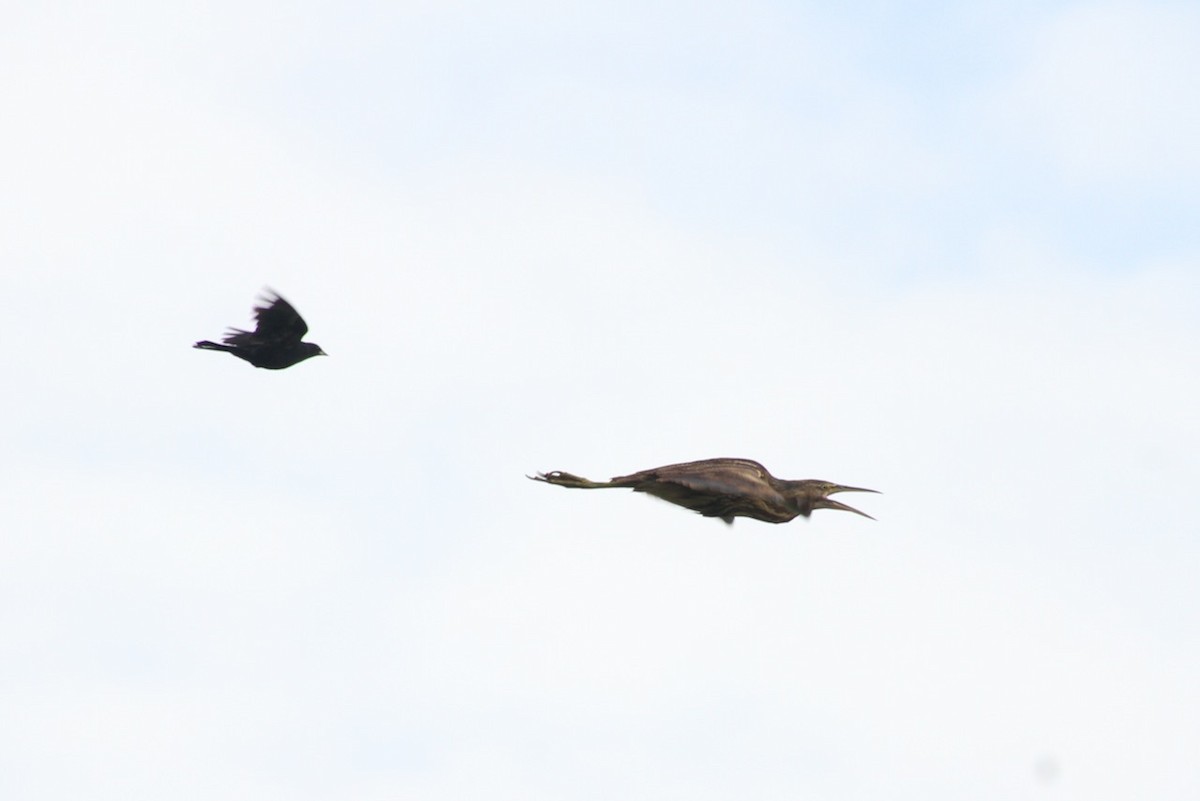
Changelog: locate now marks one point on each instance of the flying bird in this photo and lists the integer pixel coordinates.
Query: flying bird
(724, 488)
(275, 341)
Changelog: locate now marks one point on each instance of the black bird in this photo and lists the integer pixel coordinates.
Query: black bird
(724, 488)
(275, 341)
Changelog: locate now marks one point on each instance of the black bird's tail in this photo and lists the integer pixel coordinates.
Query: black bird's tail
(204, 344)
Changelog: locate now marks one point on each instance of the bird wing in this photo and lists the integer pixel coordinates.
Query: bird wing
(276, 323)
(707, 502)
(276, 320)
(721, 488)
(240, 338)
(722, 476)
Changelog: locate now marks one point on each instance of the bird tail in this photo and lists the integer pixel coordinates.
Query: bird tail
(204, 344)
(569, 480)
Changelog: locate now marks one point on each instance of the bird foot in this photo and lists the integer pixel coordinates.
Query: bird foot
(564, 480)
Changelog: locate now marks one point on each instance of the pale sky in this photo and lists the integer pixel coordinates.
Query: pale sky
(947, 251)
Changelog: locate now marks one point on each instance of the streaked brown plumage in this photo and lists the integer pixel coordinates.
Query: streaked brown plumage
(724, 488)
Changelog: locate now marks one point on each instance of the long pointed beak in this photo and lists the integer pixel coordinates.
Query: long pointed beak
(830, 503)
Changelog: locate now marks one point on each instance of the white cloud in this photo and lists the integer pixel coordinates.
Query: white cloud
(335, 581)
(1107, 93)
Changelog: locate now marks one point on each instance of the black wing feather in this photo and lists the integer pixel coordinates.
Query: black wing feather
(276, 323)
(277, 320)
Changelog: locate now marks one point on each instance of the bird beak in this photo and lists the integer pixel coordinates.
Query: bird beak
(841, 488)
(832, 504)
(321, 352)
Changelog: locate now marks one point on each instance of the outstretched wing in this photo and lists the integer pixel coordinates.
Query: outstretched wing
(277, 320)
(276, 323)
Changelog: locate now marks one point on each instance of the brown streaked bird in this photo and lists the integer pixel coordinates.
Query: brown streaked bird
(274, 344)
(724, 488)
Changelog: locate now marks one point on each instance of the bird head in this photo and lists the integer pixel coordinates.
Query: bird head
(312, 349)
(813, 494)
